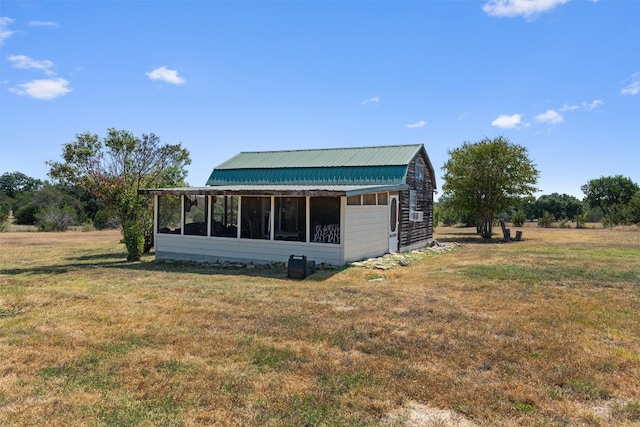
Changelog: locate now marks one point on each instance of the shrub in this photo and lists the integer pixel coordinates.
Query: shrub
(581, 221)
(55, 219)
(88, 226)
(133, 240)
(448, 217)
(519, 219)
(26, 215)
(546, 220)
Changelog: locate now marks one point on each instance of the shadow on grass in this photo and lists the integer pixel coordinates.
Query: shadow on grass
(148, 263)
(468, 235)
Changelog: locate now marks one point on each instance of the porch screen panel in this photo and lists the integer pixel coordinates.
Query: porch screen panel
(195, 215)
(256, 217)
(291, 219)
(224, 216)
(324, 214)
(169, 214)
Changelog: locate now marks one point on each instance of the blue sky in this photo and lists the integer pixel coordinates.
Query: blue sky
(559, 77)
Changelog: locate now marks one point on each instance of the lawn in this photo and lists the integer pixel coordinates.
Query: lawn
(540, 332)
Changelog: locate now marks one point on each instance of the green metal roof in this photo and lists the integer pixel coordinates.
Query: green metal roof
(350, 175)
(386, 165)
(319, 158)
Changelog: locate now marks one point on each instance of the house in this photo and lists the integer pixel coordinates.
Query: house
(332, 205)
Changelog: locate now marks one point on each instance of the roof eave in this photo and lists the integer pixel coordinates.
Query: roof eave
(267, 190)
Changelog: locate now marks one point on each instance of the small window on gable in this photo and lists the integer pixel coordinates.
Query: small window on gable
(419, 171)
(369, 199)
(383, 198)
(354, 200)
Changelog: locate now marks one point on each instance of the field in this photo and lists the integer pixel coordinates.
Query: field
(540, 332)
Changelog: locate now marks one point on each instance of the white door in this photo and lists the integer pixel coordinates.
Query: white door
(393, 223)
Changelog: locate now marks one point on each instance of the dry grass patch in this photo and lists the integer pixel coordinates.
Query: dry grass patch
(539, 332)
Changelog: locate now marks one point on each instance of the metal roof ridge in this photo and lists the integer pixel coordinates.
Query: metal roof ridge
(331, 148)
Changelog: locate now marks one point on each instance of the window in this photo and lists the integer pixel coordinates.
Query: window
(354, 200)
(414, 214)
(291, 219)
(224, 216)
(169, 214)
(256, 217)
(369, 199)
(195, 215)
(324, 214)
(383, 198)
(419, 170)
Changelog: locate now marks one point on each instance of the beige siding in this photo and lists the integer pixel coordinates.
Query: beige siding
(366, 232)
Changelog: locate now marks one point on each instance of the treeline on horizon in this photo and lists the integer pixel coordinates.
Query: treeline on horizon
(611, 200)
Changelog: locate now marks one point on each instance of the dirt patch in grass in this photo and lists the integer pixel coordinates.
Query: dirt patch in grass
(538, 332)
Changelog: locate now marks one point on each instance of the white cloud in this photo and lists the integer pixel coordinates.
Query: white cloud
(374, 100)
(567, 107)
(44, 24)
(509, 122)
(23, 61)
(593, 104)
(550, 116)
(46, 89)
(583, 105)
(632, 88)
(166, 75)
(5, 32)
(526, 8)
(419, 124)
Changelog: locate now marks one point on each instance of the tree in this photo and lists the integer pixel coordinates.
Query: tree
(12, 183)
(487, 177)
(115, 168)
(561, 206)
(17, 190)
(633, 209)
(612, 194)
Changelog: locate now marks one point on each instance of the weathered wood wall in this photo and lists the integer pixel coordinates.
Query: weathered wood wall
(412, 232)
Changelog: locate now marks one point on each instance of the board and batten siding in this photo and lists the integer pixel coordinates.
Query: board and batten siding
(366, 232)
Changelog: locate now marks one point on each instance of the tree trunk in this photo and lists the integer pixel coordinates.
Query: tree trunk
(486, 226)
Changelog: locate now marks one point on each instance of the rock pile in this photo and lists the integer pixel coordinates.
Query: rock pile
(404, 259)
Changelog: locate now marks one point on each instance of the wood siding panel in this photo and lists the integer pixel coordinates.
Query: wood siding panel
(366, 232)
(411, 232)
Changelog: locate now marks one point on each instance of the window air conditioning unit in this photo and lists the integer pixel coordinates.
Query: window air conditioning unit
(416, 216)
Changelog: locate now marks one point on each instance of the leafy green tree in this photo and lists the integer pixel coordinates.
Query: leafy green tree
(12, 183)
(17, 189)
(487, 177)
(116, 167)
(633, 209)
(611, 194)
(5, 207)
(561, 206)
